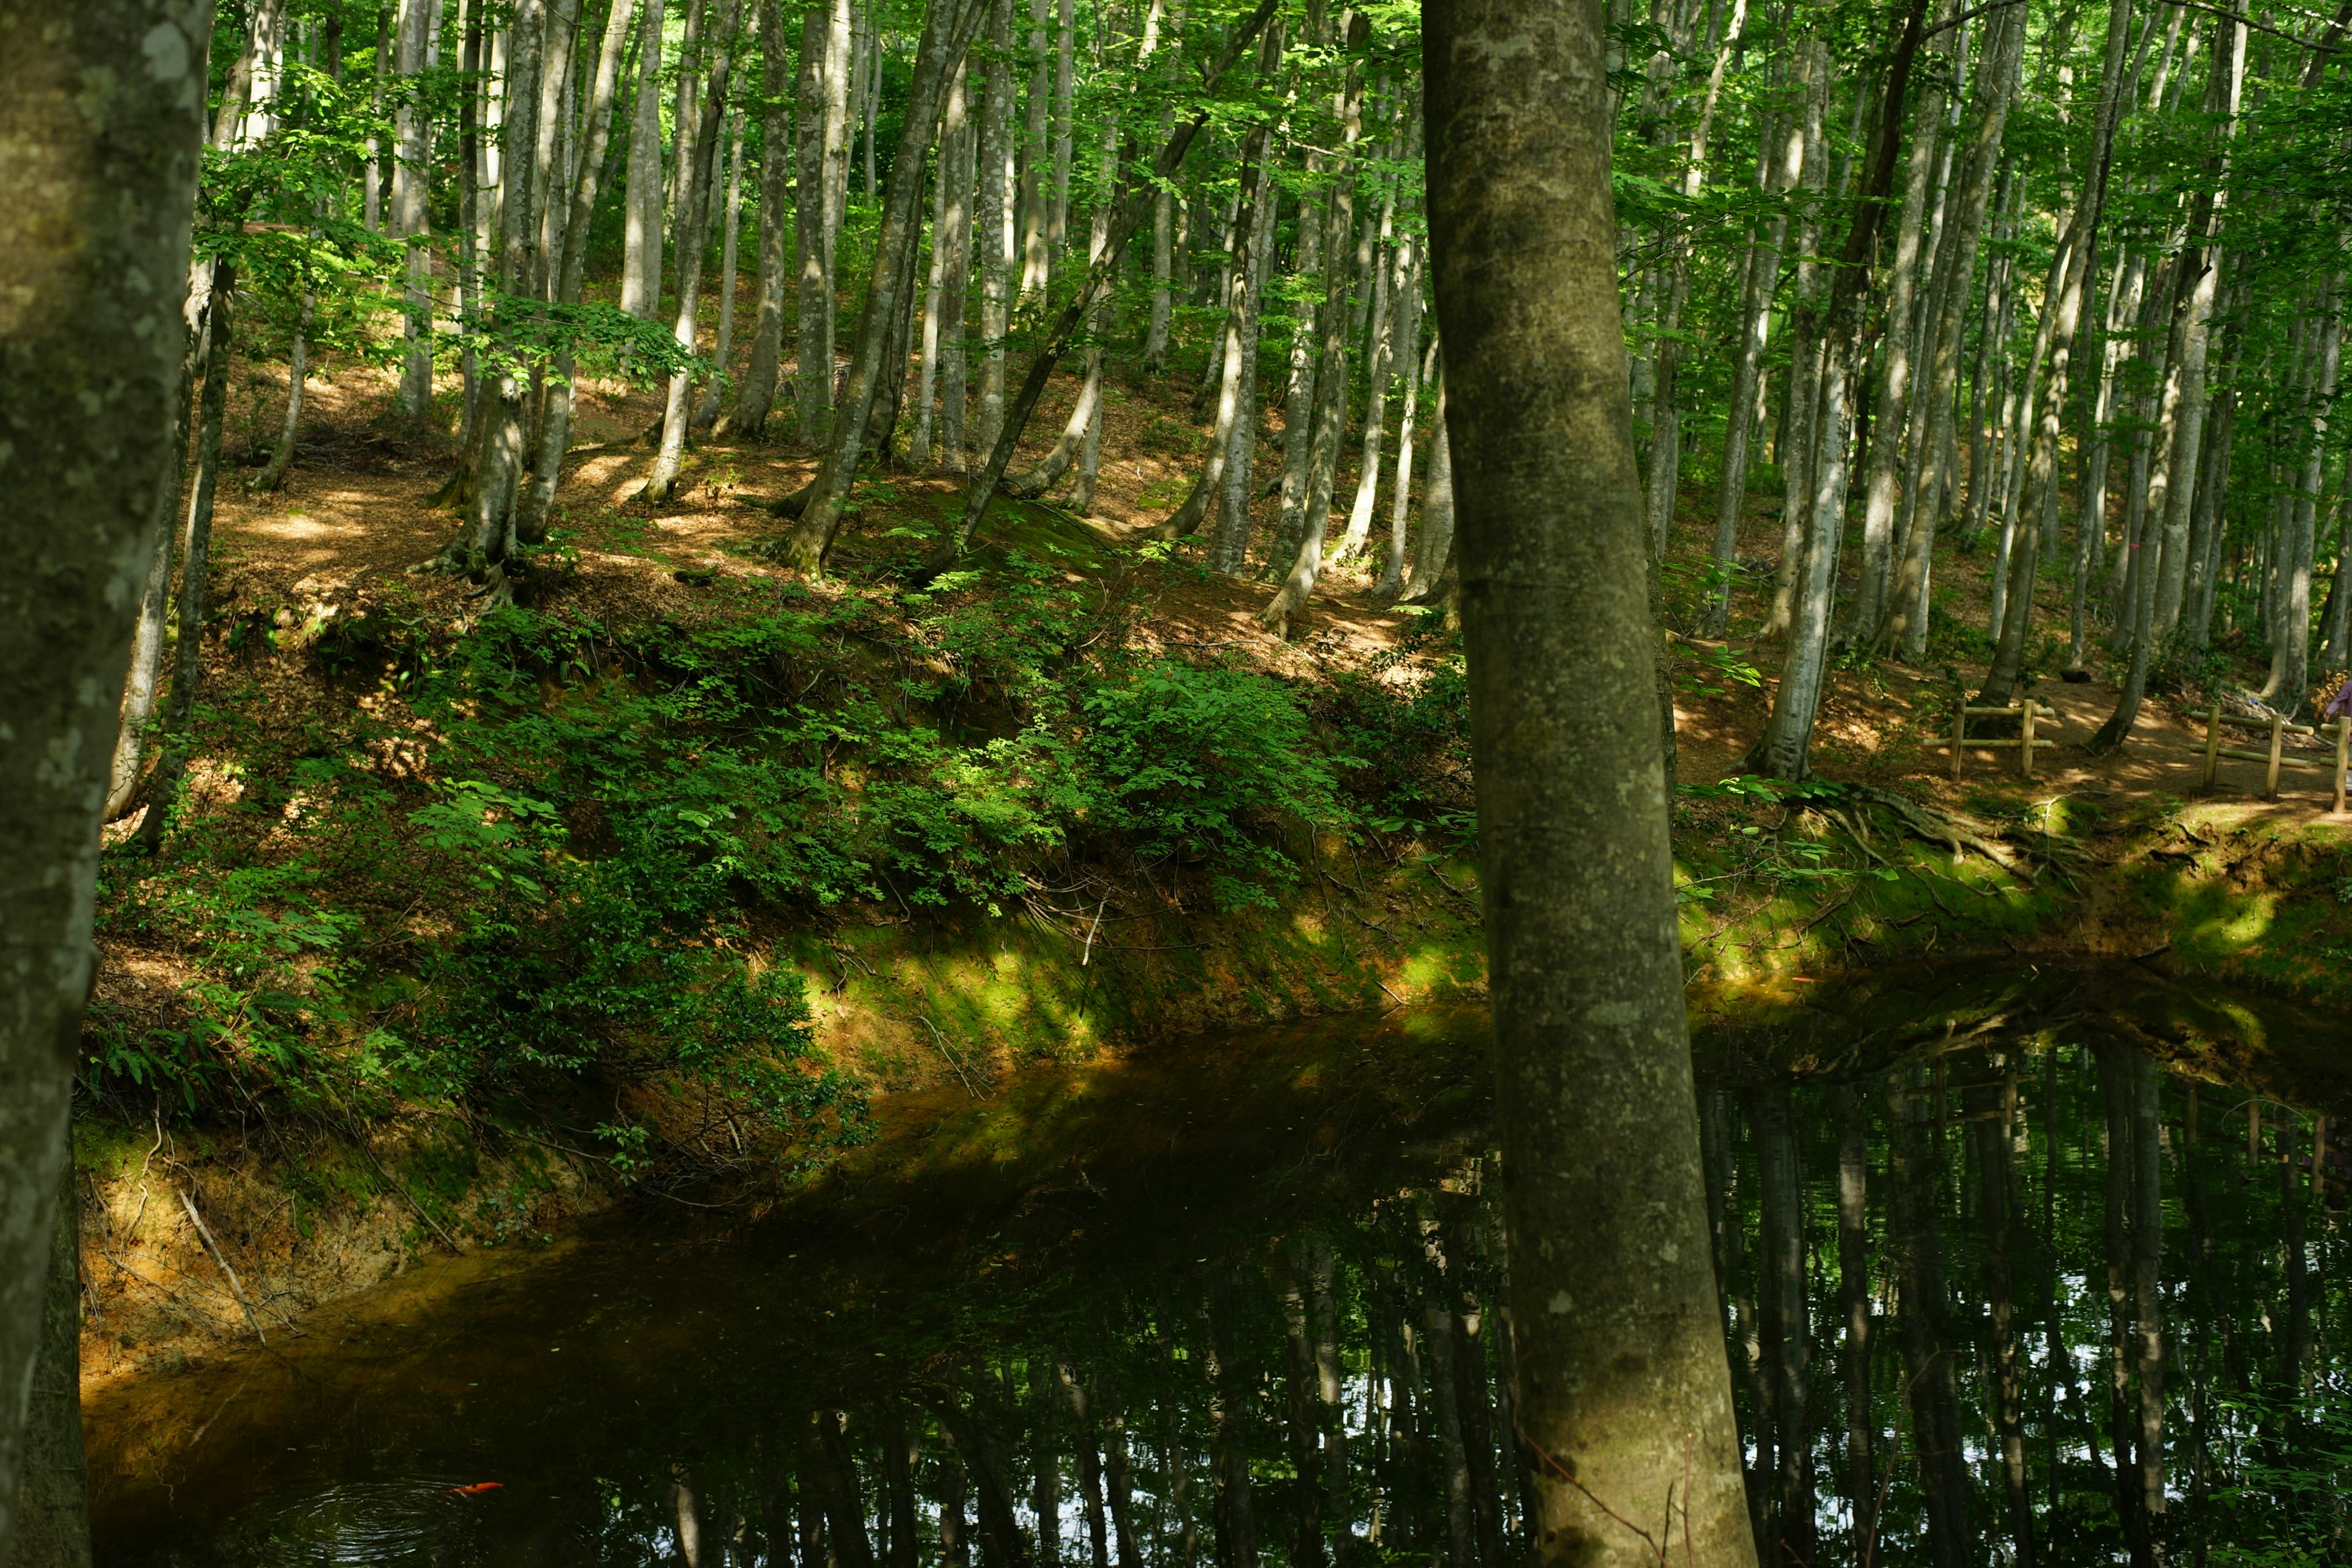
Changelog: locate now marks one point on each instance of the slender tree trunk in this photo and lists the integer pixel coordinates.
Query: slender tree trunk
(2291, 650)
(1331, 372)
(1923, 1308)
(1784, 1265)
(1623, 1391)
(1855, 1296)
(706, 413)
(1947, 310)
(1299, 390)
(1795, 444)
(949, 26)
(699, 152)
(1232, 358)
(196, 562)
(1392, 570)
(955, 276)
(2147, 1301)
(1436, 545)
(641, 206)
(1390, 272)
(999, 218)
(2006, 1391)
(2182, 408)
(757, 393)
(409, 182)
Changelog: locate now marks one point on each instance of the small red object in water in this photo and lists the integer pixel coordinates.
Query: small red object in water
(477, 1488)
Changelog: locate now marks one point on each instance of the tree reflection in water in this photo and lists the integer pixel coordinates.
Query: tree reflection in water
(1999, 1286)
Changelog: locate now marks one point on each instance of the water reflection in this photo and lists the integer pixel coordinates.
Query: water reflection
(1999, 1286)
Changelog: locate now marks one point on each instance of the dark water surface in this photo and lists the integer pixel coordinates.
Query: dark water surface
(2019, 1267)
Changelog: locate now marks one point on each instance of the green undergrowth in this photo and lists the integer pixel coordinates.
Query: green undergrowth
(555, 867)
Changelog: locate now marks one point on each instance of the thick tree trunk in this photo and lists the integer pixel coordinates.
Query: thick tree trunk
(836, 1473)
(105, 104)
(955, 276)
(52, 1522)
(1623, 1391)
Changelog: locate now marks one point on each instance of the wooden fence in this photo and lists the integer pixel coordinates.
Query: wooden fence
(2276, 757)
(2024, 742)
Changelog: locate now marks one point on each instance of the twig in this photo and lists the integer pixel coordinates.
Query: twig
(357, 1137)
(235, 1287)
(950, 1055)
(1564, 1473)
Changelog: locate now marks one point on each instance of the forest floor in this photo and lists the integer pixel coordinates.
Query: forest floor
(344, 1193)
(353, 518)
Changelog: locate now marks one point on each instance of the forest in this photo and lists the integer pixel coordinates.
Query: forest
(1467, 783)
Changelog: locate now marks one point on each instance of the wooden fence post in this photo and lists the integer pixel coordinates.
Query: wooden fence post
(2025, 742)
(1959, 734)
(2213, 747)
(2278, 740)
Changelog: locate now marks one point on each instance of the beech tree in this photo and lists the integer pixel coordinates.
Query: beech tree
(103, 106)
(1623, 1395)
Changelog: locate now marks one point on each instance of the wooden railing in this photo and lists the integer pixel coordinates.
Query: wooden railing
(2276, 756)
(2024, 742)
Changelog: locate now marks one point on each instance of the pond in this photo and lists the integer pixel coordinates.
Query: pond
(2017, 1267)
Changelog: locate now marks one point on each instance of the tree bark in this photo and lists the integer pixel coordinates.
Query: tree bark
(1928, 1344)
(410, 178)
(699, 154)
(1947, 310)
(949, 26)
(757, 395)
(196, 562)
(1855, 1297)
(52, 1523)
(1784, 1269)
(102, 109)
(641, 206)
(1622, 1381)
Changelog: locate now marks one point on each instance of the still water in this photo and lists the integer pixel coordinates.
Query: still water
(2017, 1267)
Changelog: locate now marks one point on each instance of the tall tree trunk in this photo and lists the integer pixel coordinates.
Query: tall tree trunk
(1623, 1391)
(999, 221)
(1434, 548)
(411, 177)
(898, 1445)
(706, 413)
(837, 1477)
(699, 154)
(2147, 1301)
(1331, 372)
(2291, 651)
(1057, 337)
(1795, 444)
(2006, 1390)
(2182, 409)
(196, 562)
(956, 274)
(949, 27)
(1231, 357)
(641, 206)
(1947, 310)
(1855, 1297)
(1784, 1278)
(1780, 161)
(1787, 738)
(105, 106)
(569, 267)
(757, 393)
(1928, 1344)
